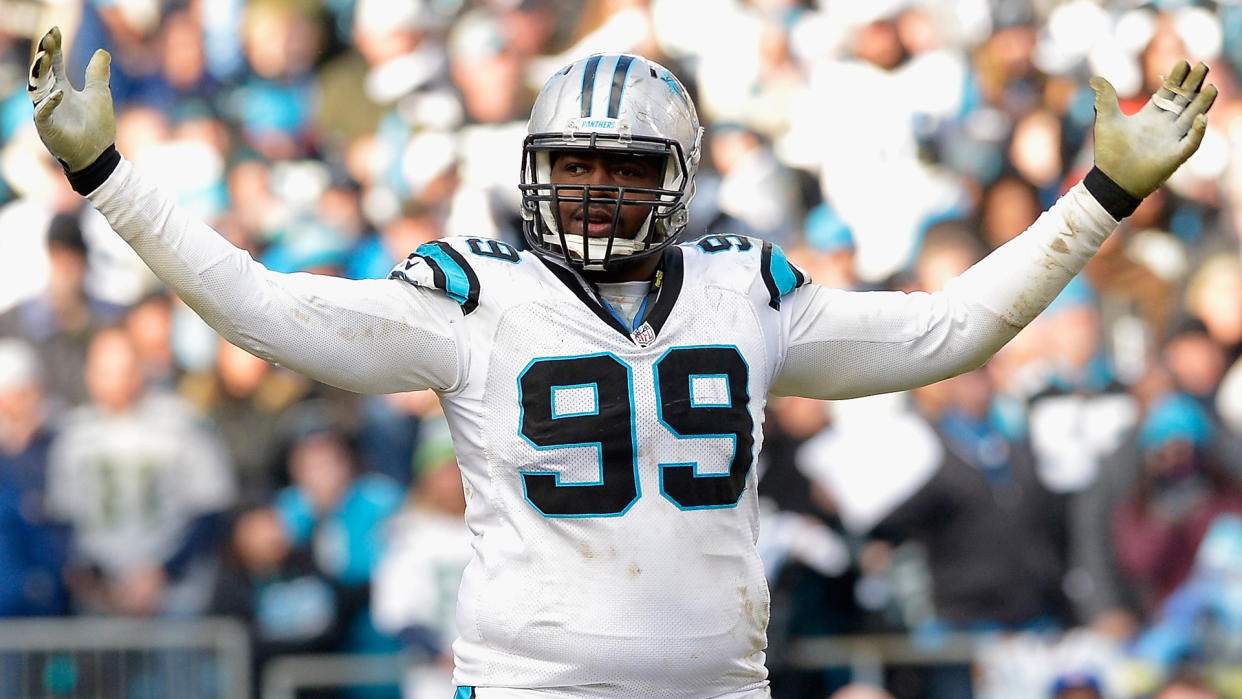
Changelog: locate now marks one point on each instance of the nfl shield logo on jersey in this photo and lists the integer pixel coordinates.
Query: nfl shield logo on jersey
(644, 335)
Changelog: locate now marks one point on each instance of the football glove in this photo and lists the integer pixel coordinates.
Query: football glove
(1141, 151)
(75, 125)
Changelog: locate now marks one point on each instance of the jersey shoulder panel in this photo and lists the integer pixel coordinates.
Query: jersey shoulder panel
(740, 262)
(463, 268)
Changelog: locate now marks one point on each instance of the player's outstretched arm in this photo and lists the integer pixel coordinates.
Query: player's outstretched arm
(879, 342)
(371, 336)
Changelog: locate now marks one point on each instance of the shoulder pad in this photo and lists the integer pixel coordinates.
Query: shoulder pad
(446, 265)
(779, 275)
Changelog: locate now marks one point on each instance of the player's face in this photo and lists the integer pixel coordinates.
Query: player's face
(604, 169)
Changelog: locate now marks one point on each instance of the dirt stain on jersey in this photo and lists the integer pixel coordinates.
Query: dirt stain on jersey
(635, 570)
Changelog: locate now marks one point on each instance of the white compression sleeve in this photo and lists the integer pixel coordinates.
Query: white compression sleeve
(370, 336)
(847, 344)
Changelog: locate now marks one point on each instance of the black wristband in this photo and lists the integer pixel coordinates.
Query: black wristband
(1116, 201)
(89, 178)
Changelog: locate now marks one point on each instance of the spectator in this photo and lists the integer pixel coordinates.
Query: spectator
(149, 324)
(1196, 363)
(1179, 491)
(1186, 687)
(1074, 383)
(32, 547)
(1076, 685)
(244, 397)
(336, 510)
(288, 604)
(1200, 622)
(1009, 206)
(143, 486)
(415, 593)
(860, 691)
(61, 320)
(827, 249)
(989, 529)
(756, 194)
(275, 104)
(1214, 296)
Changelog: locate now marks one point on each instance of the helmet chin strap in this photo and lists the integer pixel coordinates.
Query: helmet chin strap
(598, 247)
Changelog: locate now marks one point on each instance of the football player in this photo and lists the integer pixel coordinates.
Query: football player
(606, 387)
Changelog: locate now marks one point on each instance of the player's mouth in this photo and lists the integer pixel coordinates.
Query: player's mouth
(596, 225)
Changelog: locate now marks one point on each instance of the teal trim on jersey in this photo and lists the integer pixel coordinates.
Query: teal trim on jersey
(619, 318)
(594, 390)
(782, 271)
(641, 316)
(696, 404)
(464, 693)
(694, 465)
(638, 487)
(456, 283)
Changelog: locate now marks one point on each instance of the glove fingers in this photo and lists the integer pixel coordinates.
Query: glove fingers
(43, 113)
(1106, 106)
(39, 71)
(1194, 80)
(1202, 102)
(51, 43)
(99, 70)
(50, 40)
(1173, 80)
(1195, 136)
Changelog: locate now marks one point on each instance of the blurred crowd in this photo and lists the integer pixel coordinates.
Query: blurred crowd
(1077, 502)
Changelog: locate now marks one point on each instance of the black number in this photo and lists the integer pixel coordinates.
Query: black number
(587, 402)
(716, 243)
(606, 423)
(493, 248)
(727, 415)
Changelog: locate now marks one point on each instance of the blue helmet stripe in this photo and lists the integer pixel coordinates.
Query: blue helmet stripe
(588, 84)
(618, 85)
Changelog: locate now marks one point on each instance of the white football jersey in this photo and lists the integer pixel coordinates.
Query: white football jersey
(608, 471)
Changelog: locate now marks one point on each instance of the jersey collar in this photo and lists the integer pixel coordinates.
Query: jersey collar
(664, 293)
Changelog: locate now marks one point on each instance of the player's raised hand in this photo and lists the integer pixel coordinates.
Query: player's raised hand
(1139, 152)
(75, 125)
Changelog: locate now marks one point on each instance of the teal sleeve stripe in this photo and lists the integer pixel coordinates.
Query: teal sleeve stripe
(456, 283)
(782, 272)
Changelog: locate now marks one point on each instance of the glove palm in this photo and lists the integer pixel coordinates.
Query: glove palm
(1141, 151)
(75, 125)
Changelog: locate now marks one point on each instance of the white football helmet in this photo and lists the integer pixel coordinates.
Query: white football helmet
(610, 102)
